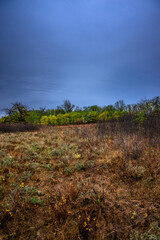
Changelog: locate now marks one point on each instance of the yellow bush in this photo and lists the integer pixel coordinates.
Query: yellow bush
(44, 120)
(52, 120)
(104, 116)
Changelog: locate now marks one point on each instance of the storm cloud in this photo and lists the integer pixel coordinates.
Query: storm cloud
(88, 51)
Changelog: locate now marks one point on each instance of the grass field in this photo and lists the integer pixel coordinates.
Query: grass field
(79, 182)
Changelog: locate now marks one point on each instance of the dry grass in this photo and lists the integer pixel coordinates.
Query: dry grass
(75, 182)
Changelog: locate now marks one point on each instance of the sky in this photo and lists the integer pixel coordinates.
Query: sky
(87, 51)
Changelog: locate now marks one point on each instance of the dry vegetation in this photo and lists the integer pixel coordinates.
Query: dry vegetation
(99, 181)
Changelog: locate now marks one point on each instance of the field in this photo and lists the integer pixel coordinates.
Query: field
(95, 181)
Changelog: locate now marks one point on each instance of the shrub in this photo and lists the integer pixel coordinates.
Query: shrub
(33, 117)
(117, 114)
(79, 121)
(18, 127)
(92, 117)
(140, 117)
(52, 120)
(74, 116)
(59, 119)
(44, 120)
(104, 116)
(66, 118)
(63, 119)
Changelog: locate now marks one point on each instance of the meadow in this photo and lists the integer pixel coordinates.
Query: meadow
(91, 181)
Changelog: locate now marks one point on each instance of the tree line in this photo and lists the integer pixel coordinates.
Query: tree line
(67, 113)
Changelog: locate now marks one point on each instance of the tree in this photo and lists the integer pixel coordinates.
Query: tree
(156, 103)
(17, 112)
(78, 109)
(92, 108)
(67, 106)
(59, 110)
(120, 105)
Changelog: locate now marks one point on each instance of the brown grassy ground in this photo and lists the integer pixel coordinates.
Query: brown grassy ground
(74, 182)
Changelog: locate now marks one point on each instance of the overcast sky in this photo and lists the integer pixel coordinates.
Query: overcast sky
(87, 51)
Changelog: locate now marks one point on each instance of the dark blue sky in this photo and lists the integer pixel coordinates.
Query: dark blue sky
(87, 51)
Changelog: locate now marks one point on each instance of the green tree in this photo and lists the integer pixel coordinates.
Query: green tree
(68, 106)
(17, 112)
(92, 117)
(120, 105)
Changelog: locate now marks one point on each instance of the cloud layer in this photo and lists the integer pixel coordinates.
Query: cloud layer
(91, 52)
